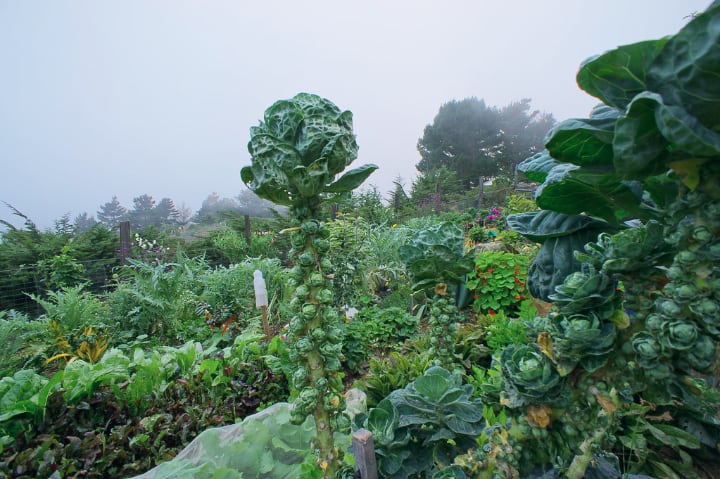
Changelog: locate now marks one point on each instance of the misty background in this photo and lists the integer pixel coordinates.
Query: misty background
(130, 98)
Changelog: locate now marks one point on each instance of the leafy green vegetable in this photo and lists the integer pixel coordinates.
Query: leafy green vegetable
(531, 377)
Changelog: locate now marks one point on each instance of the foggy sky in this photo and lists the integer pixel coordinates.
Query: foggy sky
(101, 98)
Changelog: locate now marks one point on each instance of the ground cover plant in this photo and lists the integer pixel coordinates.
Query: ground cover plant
(607, 371)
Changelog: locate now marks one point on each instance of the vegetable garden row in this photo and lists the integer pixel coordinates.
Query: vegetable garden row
(584, 346)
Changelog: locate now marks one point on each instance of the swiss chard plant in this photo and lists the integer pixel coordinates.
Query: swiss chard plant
(297, 151)
(629, 226)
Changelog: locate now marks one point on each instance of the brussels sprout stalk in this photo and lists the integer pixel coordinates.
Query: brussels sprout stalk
(297, 151)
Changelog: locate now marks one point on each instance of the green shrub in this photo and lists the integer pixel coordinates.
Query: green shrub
(499, 282)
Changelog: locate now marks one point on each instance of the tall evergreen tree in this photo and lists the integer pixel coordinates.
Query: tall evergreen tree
(83, 222)
(476, 140)
(143, 212)
(111, 213)
(166, 213)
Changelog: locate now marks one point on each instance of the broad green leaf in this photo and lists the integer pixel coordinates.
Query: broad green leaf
(583, 141)
(639, 147)
(466, 411)
(460, 426)
(432, 386)
(24, 384)
(541, 225)
(351, 179)
(616, 76)
(594, 192)
(537, 166)
(673, 436)
(685, 73)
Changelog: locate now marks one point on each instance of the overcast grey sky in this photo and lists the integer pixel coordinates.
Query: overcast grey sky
(127, 97)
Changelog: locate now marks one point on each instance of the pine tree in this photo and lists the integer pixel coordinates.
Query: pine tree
(112, 213)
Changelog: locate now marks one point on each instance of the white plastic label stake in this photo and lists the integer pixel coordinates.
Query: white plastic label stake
(261, 297)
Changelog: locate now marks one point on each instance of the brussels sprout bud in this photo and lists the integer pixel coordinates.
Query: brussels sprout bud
(295, 304)
(325, 296)
(342, 422)
(330, 315)
(309, 311)
(324, 231)
(306, 259)
(647, 349)
(326, 265)
(702, 234)
(310, 227)
(712, 210)
(297, 240)
(316, 280)
(654, 322)
(318, 334)
(300, 378)
(668, 308)
(302, 291)
(321, 245)
(321, 384)
(685, 292)
(297, 273)
(686, 258)
(705, 307)
(332, 364)
(296, 326)
(304, 345)
(334, 334)
(678, 335)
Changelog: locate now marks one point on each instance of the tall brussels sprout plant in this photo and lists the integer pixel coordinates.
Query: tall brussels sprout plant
(297, 151)
(437, 264)
(630, 227)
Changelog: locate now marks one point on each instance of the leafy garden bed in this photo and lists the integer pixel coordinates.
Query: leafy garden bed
(592, 355)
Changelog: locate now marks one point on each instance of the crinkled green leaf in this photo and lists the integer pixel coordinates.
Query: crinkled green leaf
(351, 179)
(616, 76)
(686, 74)
(282, 120)
(315, 133)
(339, 152)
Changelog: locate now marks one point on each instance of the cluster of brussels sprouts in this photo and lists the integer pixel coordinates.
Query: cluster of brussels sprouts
(682, 329)
(443, 326)
(316, 338)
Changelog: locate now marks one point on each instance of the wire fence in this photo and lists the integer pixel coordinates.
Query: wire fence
(19, 285)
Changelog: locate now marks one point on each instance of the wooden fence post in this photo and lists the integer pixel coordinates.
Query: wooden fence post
(248, 238)
(364, 452)
(125, 245)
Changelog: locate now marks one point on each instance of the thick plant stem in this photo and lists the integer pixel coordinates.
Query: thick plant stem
(316, 342)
